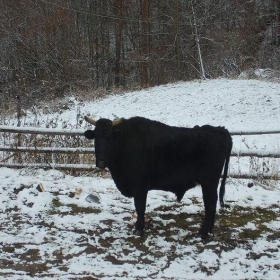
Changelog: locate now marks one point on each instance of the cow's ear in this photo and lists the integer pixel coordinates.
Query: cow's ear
(89, 134)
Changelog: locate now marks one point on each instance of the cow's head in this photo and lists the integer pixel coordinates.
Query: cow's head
(102, 135)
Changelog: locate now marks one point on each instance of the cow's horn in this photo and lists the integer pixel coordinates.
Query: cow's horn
(117, 121)
(90, 120)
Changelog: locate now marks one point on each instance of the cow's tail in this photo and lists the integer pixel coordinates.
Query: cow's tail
(223, 183)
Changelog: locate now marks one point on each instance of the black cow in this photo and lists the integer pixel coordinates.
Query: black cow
(144, 155)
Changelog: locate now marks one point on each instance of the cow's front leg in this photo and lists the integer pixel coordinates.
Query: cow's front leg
(140, 199)
(210, 203)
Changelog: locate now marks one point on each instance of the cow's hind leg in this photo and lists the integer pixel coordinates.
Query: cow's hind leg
(140, 199)
(210, 198)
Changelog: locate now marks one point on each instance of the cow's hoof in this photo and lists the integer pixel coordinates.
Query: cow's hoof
(204, 235)
(138, 232)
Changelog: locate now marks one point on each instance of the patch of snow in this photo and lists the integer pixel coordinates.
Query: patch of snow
(58, 236)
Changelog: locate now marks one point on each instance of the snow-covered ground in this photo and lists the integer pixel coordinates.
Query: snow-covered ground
(56, 235)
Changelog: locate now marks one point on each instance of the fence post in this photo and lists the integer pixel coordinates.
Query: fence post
(19, 137)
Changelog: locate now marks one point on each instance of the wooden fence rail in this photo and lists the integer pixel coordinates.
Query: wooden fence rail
(47, 150)
(90, 150)
(44, 131)
(80, 132)
(251, 153)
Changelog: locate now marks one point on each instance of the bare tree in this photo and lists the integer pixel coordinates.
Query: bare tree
(48, 47)
(120, 7)
(197, 40)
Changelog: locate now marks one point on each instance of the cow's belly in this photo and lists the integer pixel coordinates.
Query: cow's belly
(177, 181)
(125, 189)
(173, 181)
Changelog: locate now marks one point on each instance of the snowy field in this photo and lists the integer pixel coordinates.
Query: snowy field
(57, 234)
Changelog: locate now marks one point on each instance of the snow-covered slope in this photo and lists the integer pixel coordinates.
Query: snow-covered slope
(236, 104)
(53, 235)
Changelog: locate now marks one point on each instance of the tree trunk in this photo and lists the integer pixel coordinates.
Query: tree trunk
(197, 40)
(118, 37)
(177, 41)
(144, 76)
(278, 25)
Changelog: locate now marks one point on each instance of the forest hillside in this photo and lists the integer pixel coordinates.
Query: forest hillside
(50, 48)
